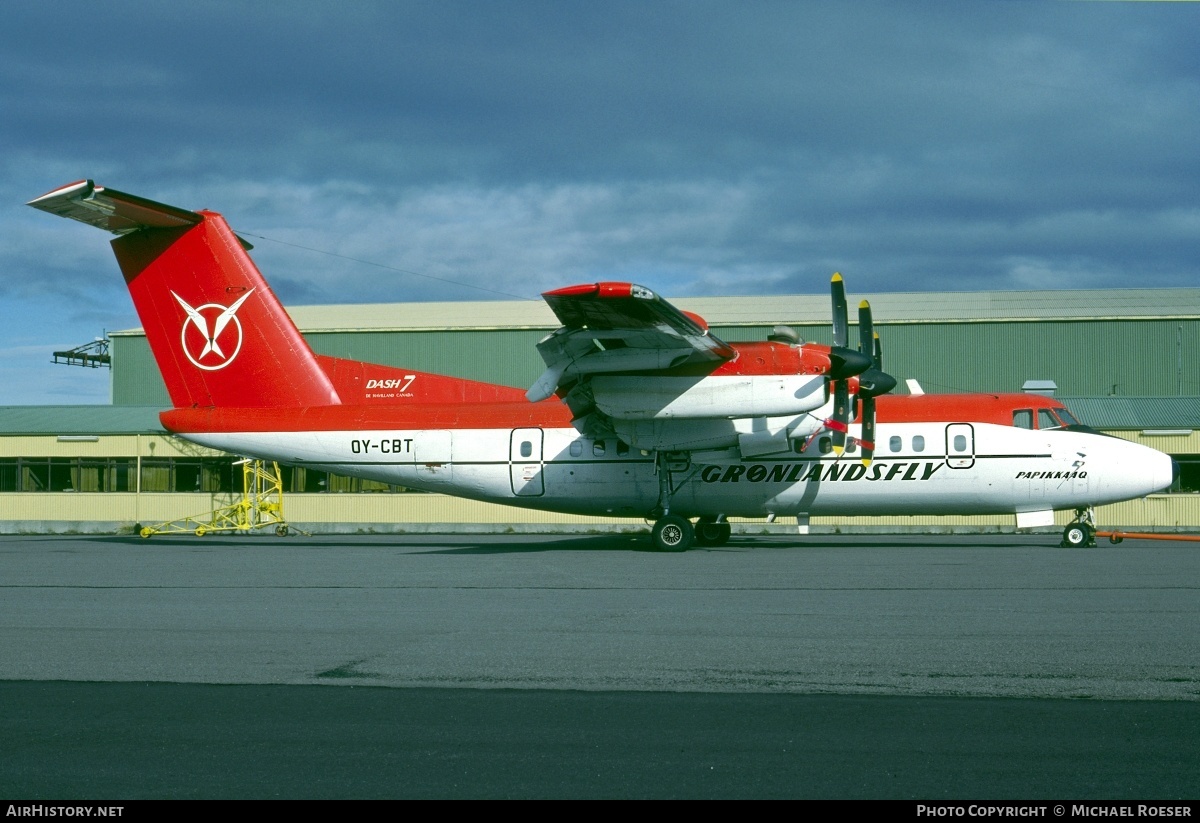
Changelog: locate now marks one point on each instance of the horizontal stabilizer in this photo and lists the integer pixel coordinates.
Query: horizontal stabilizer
(112, 210)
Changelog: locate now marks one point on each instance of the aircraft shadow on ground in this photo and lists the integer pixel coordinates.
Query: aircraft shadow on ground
(514, 544)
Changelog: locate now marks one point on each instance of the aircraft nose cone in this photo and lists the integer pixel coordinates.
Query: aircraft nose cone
(846, 362)
(1165, 473)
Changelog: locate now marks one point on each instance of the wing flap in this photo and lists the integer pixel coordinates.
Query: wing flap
(616, 327)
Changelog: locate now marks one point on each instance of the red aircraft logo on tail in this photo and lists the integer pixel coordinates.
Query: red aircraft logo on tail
(209, 343)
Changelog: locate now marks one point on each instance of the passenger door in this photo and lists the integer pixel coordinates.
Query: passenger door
(525, 463)
(960, 445)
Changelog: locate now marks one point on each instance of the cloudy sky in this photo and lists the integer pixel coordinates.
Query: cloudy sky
(492, 150)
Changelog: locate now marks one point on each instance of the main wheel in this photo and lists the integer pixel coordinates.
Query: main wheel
(672, 533)
(711, 533)
(1077, 535)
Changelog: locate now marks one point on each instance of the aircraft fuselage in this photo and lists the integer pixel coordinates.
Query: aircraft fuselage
(918, 468)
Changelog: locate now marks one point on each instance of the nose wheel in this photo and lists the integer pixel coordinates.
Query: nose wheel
(1082, 532)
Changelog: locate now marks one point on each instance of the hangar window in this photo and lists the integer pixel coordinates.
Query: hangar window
(112, 475)
(45, 474)
(208, 475)
(340, 484)
(68, 474)
(303, 480)
(188, 474)
(1188, 481)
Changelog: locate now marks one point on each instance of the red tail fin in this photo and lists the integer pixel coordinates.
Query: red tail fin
(219, 334)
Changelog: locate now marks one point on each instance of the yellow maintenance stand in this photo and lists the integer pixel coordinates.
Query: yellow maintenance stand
(261, 507)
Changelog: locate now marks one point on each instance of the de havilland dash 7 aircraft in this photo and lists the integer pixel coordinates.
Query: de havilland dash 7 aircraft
(642, 411)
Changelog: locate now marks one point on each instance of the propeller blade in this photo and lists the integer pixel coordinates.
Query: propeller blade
(866, 330)
(868, 429)
(840, 323)
(840, 422)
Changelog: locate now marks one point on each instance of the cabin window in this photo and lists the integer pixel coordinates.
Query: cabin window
(598, 448)
(895, 443)
(526, 448)
(577, 448)
(825, 445)
(960, 443)
(1023, 418)
(1047, 421)
(622, 448)
(851, 445)
(918, 443)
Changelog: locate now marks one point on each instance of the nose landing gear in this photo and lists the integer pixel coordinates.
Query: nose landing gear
(1080, 533)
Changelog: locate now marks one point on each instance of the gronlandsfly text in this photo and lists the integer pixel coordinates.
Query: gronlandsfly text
(814, 470)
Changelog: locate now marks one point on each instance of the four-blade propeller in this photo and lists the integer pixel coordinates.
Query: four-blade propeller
(866, 364)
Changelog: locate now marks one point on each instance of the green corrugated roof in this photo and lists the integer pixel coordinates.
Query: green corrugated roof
(795, 309)
(1136, 412)
(80, 420)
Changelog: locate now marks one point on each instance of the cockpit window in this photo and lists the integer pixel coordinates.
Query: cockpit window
(1047, 421)
(1023, 418)
(1066, 417)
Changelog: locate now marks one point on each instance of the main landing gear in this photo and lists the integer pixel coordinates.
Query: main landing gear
(672, 533)
(1081, 532)
(712, 531)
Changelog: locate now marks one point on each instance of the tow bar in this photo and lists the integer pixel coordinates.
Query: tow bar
(1117, 537)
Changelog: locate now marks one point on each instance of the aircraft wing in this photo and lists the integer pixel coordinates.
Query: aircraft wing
(618, 327)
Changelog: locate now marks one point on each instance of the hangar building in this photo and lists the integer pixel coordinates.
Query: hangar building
(1124, 361)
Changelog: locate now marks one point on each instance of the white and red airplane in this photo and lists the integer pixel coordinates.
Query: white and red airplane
(641, 412)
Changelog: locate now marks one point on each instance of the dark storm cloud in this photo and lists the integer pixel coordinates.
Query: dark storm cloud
(699, 147)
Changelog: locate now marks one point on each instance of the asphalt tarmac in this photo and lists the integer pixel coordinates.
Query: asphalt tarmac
(941, 667)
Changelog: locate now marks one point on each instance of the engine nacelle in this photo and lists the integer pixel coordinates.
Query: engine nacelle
(657, 397)
(751, 437)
